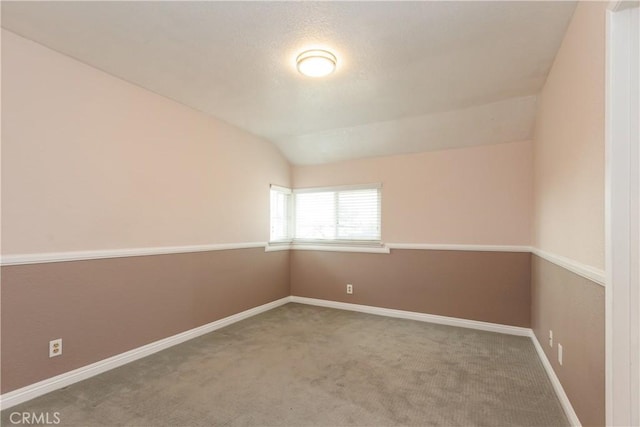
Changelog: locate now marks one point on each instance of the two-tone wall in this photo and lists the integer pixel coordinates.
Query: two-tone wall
(568, 159)
(550, 190)
(90, 164)
(476, 199)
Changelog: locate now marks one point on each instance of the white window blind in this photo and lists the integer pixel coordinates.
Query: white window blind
(345, 213)
(316, 215)
(280, 214)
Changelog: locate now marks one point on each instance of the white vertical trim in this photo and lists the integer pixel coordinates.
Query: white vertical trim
(634, 215)
(622, 216)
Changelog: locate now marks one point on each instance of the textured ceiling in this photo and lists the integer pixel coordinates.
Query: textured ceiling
(411, 76)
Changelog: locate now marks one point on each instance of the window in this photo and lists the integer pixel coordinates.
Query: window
(280, 214)
(336, 214)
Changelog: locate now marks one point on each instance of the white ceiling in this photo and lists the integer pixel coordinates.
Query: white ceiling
(412, 76)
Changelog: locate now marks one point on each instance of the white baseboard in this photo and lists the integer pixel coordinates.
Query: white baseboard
(412, 315)
(463, 323)
(555, 381)
(32, 391)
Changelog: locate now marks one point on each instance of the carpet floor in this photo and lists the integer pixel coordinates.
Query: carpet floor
(300, 365)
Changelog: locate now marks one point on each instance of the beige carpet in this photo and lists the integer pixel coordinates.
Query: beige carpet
(301, 366)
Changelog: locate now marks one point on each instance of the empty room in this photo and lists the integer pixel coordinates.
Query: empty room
(320, 213)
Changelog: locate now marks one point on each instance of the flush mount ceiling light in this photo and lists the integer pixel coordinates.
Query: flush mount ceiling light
(316, 63)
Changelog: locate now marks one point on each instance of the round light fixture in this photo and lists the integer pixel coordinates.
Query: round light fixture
(316, 63)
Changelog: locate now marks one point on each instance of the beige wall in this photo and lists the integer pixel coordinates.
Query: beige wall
(479, 195)
(486, 286)
(573, 308)
(105, 307)
(92, 162)
(569, 144)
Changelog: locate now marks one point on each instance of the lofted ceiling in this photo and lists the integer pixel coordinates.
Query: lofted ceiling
(411, 76)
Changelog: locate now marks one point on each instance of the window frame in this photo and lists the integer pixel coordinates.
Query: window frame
(291, 226)
(289, 221)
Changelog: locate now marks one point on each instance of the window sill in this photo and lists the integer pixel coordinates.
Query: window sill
(283, 245)
(374, 247)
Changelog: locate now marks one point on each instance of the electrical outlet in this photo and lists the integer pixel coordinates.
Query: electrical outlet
(349, 288)
(560, 354)
(55, 347)
(550, 338)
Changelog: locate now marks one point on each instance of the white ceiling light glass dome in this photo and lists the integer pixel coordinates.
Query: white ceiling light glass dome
(316, 63)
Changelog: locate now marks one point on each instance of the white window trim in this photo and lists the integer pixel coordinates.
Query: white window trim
(315, 243)
(290, 216)
(338, 242)
(376, 185)
(284, 190)
(374, 245)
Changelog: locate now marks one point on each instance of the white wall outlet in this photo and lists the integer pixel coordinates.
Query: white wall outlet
(560, 354)
(55, 347)
(550, 338)
(349, 288)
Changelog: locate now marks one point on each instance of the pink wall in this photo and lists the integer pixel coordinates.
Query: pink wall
(92, 162)
(569, 144)
(479, 195)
